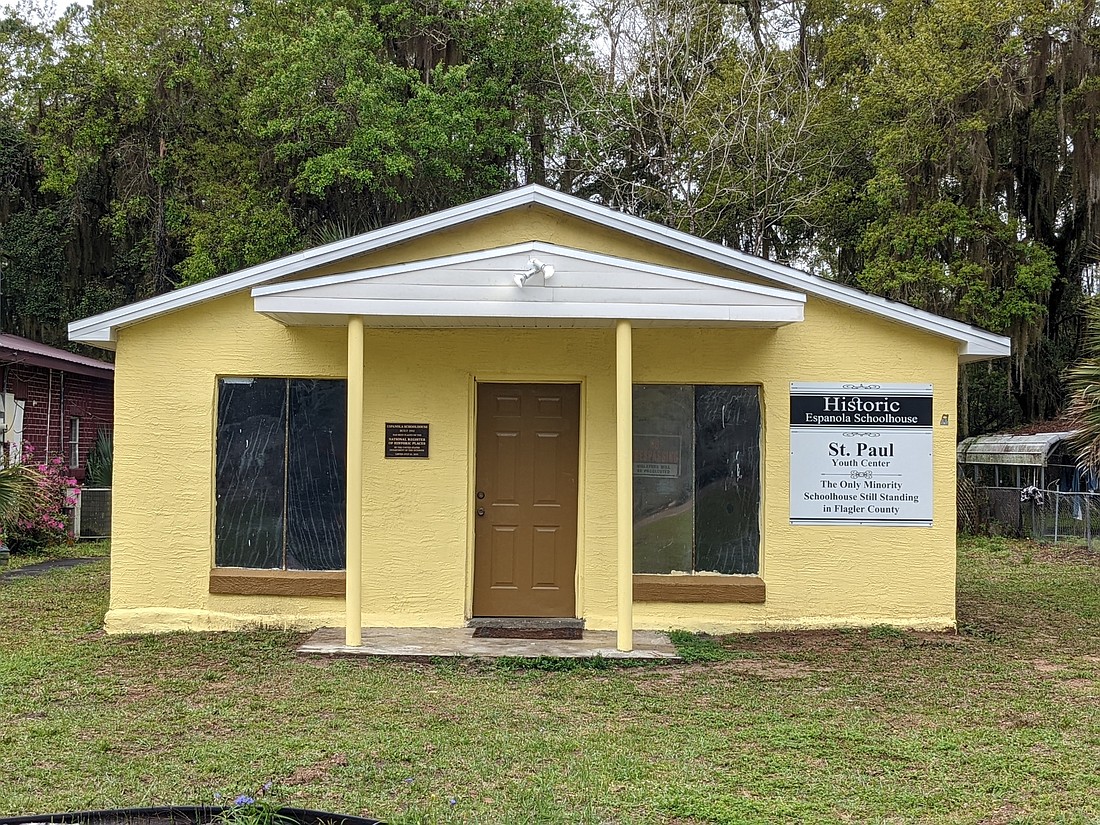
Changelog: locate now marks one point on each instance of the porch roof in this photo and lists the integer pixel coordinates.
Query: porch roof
(487, 289)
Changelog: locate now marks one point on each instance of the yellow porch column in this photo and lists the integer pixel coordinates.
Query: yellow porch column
(353, 565)
(624, 473)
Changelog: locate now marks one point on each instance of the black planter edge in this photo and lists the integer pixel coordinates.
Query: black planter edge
(192, 814)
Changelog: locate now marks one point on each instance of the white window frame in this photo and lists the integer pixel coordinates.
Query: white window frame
(74, 441)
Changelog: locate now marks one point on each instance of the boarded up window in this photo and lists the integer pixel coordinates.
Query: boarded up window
(696, 479)
(280, 473)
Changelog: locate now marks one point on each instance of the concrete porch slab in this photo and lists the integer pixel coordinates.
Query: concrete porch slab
(432, 642)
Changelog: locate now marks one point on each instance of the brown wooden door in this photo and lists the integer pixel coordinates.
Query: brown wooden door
(525, 534)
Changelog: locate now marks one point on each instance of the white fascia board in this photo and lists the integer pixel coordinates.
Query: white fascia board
(102, 327)
(104, 336)
(551, 252)
(274, 305)
(978, 350)
(977, 343)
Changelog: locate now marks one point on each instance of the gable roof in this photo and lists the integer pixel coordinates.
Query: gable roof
(483, 288)
(974, 343)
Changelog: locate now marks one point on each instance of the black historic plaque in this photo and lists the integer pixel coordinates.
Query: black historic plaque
(406, 440)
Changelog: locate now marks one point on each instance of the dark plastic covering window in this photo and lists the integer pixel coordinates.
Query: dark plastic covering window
(280, 473)
(696, 479)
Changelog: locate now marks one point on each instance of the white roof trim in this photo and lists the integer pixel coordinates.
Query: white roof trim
(539, 248)
(768, 316)
(473, 287)
(974, 343)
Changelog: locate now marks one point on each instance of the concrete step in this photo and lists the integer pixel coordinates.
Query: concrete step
(526, 622)
(527, 628)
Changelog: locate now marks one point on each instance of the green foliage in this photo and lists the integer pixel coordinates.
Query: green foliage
(973, 117)
(99, 465)
(237, 227)
(388, 111)
(248, 810)
(559, 664)
(699, 647)
(992, 407)
(33, 514)
(928, 259)
(885, 631)
(20, 492)
(34, 265)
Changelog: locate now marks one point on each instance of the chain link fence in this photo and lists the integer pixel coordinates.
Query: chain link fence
(92, 514)
(1051, 516)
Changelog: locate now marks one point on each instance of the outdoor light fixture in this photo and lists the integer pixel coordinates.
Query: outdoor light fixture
(534, 266)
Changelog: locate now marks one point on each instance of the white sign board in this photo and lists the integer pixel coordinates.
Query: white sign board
(861, 454)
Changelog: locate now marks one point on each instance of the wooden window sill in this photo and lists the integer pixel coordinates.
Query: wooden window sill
(236, 581)
(699, 589)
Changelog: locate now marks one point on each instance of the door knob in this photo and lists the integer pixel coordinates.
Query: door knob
(481, 511)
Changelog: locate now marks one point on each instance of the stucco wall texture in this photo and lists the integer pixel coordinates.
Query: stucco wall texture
(417, 528)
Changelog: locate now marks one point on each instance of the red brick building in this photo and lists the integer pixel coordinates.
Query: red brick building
(53, 400)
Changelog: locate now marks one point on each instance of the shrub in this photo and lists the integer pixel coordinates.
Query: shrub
(40, 520)
(100, 461)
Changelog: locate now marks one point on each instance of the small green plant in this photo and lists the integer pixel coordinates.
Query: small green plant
(246, 809)
(698, 647)
(553, 664)
(885, 631)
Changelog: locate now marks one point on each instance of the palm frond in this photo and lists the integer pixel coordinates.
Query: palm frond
(1083, 380)
(20, 491)
(100, 461)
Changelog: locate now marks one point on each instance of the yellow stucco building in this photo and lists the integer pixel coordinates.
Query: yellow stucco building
(531, 405)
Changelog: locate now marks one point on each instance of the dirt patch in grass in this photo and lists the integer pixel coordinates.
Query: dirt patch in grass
(1004, 815)
(1021, 721)
(1060, 554)
(767, 668)
(793, 641)
(938, 638)
(1080, 685)
(764, 667)
(317, 772)
(799, 645)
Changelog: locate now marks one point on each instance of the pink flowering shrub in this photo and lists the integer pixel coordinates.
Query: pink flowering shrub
(45, 521)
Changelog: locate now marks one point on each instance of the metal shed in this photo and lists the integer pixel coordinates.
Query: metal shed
(1005, 460)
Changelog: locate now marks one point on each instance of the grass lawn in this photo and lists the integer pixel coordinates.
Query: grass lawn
(998, 724)
(81, 549)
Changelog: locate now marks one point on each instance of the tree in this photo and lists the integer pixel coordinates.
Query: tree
(381, 112)
(695, 115)
(979, 198)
